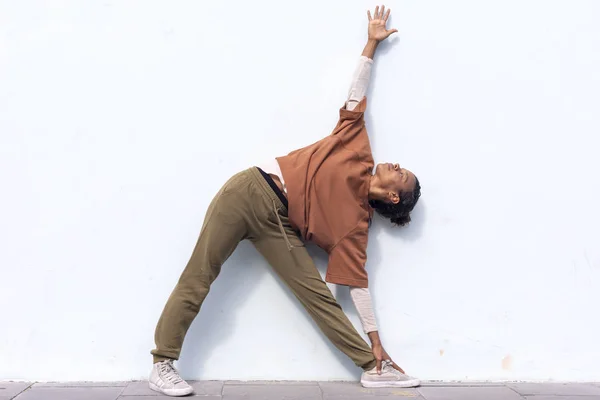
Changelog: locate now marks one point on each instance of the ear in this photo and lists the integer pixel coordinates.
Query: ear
(393, 197)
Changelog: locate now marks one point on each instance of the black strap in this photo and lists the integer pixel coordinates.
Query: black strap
(274, 186)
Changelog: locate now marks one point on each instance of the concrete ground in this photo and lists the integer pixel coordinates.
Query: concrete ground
(215, 390)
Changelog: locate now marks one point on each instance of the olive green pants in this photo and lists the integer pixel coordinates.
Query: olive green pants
(247, 208)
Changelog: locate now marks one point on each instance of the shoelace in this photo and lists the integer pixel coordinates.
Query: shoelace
(388, 366)
(169, 373)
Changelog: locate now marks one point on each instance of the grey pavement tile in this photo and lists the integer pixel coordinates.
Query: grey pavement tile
(271, 392)
(544, 397)
(555, 389)
(461, 384)
(8, 390)
(297, 383)
(71, 393)
(163, 397)
(80, 384)
(139, 388)
(201, 388)
(469, 393)
(353, 390)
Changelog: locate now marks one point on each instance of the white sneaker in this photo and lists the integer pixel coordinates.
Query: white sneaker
(390, 377)
(165, 379)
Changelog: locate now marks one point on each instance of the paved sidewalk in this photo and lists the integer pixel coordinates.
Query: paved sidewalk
(215, 390)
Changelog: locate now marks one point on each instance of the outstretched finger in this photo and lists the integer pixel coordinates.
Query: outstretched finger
(377, 12)
(369, 14)
(379, 367)
(382, 12)
(391, 31)
(397, 367)
(387, 15)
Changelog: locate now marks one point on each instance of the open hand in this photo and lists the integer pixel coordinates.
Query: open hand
(377, 29)
(381, 355)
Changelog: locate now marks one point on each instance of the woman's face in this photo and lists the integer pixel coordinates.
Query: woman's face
(396, 179)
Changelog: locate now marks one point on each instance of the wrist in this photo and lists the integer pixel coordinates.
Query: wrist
(370, 47)
(372, 44)
(374, 337)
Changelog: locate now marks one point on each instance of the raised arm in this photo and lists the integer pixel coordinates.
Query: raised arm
(377, 32)
(358, 89)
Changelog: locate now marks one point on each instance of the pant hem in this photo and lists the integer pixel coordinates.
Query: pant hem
(370, 365)
(164, 357)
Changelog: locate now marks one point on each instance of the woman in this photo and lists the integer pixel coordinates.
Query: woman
(326, 193)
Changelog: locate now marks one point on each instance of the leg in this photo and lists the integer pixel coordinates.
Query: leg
(223, 229)
(299, 272)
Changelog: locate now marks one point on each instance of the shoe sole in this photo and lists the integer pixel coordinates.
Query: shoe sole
(171, 392)
(387, 384)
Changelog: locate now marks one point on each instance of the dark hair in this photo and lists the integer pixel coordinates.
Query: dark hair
(399, 213)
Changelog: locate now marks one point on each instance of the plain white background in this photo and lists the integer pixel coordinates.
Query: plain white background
(120, 120)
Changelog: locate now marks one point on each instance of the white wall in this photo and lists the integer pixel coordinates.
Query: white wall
(120, 120)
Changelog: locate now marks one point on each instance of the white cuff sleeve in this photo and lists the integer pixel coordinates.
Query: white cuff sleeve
(364, 305)
(360, 82)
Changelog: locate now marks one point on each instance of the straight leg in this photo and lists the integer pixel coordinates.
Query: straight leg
(224, 227)
(299, 272)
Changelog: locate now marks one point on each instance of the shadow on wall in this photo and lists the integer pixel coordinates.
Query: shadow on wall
(402, 235)
(218, 313)
(238, 279)
(383, 49)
